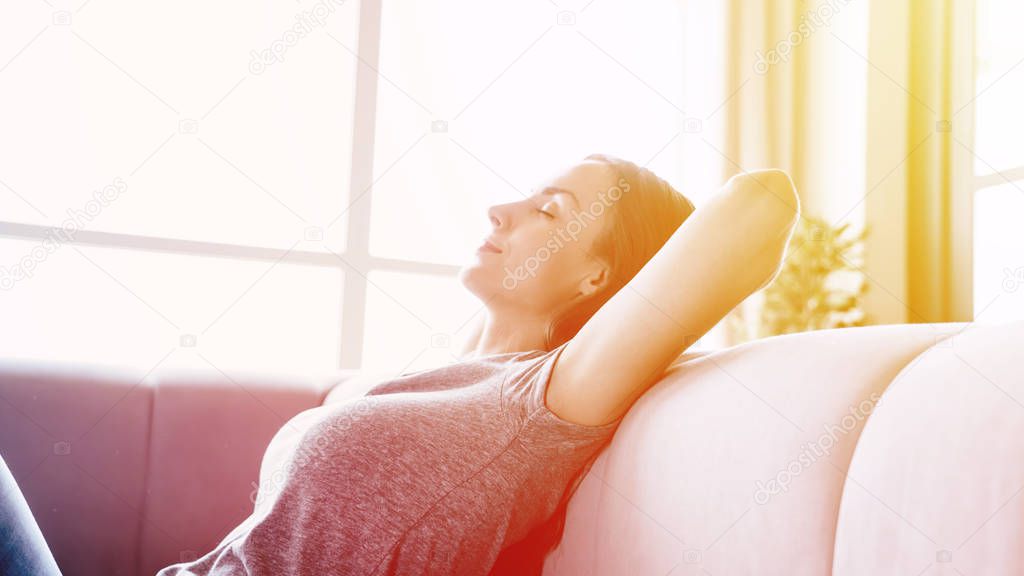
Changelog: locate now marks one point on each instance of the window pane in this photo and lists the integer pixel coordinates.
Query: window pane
(415, 322)
(210, 141)
(120, 306)
(480, 114)
(999, 253)
(1000, 81)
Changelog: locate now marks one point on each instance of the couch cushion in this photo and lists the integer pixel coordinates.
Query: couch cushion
(732, 464)
(75, 437)
(937, 483)
(210, 429)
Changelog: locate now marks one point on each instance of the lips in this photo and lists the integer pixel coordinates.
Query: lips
(489, 246)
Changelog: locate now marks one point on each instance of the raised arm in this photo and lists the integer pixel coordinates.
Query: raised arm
(724, 252)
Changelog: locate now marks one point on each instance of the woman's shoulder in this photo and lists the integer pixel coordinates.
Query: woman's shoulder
(530, 377)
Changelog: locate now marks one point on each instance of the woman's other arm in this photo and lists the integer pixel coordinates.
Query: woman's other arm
(724, 252)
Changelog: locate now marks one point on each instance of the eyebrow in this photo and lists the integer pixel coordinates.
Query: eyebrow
(552, 190)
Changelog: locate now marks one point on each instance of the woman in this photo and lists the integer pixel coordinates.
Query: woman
(591, 289)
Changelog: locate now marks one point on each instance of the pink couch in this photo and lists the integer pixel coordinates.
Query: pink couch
(881, 450)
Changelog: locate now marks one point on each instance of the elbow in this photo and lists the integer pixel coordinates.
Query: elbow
(773, 196)
(772, 189)
(783, 189)
(778, 210)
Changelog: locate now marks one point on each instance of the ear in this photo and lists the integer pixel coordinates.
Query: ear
(595, 280)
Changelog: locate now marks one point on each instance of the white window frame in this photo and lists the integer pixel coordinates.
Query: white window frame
(355, 261)
(967, 182)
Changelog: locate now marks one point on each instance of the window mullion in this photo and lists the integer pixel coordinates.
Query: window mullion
(353, 308)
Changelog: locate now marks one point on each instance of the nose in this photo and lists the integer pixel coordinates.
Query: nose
(497, 215)
(505, 216)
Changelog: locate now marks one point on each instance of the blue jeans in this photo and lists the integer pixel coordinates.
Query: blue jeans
(23, 552)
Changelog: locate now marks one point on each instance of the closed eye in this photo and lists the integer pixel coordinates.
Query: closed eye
(540, 207)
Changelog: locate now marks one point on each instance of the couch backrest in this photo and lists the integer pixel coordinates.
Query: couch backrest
(128, 471)
(208, 432)
(76, 439)
(737, 462)
(734, 461)
(939, 467)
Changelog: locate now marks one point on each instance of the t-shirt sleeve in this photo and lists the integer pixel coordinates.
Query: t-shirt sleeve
(563, 430)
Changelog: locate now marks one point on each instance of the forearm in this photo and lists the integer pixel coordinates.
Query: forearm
(718, 257)
(727, 250)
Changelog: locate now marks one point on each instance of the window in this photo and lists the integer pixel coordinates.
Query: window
(171, 174)
(998, 162)
(279, 187)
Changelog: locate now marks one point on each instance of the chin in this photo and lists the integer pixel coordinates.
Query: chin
(469, 277)
(473, 277)
(481, 281)
(465, 273)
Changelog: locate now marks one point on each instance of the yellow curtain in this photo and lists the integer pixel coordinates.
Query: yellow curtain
(910, 128)
(929, 174)
(764, 119)
(853, 98)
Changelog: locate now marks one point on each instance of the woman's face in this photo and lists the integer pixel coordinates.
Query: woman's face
(539, 255)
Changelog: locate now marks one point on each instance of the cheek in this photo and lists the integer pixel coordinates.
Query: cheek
(547, 269)
(542, 267)
(534, 255)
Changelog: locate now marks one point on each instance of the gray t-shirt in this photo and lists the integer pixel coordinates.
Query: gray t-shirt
(433, 472)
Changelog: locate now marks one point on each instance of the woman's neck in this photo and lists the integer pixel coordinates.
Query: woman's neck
(509, 333)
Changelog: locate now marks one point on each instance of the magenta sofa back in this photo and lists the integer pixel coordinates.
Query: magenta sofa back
(128, 472)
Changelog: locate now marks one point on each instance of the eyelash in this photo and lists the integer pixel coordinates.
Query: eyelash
(548, 215)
